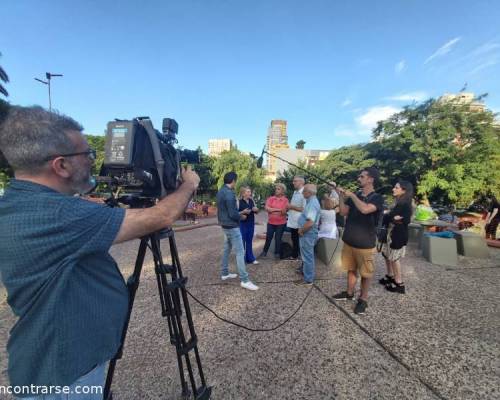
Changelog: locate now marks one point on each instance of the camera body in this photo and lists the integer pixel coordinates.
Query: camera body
(142, 161)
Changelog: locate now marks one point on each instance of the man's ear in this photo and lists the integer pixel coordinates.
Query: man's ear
(61, 167)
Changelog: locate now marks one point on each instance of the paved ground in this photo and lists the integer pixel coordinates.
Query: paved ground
(439, 341)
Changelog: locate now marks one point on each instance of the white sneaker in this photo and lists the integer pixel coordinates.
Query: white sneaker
(249, 285)
(256, 262)
(229, 276)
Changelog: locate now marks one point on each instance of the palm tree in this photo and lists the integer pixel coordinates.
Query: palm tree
(3, 78)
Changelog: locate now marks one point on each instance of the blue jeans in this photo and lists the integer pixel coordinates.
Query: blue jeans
(78, 390)
(247, 229)
(232, 238)
(307, 242)
(271, 231)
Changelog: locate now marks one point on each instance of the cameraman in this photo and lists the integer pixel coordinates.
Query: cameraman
(66, 289)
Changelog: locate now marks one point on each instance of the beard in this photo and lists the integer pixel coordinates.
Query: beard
(81, 181)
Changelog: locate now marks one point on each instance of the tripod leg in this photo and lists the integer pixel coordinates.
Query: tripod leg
(170, 310)
(132, 285)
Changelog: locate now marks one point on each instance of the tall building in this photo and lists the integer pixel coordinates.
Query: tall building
(277, 139)
(217, 146)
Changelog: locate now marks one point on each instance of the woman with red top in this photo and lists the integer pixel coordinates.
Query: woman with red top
(276, 207)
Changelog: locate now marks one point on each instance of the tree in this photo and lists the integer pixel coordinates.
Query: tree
(450, 150)
(244, 165)
(97, 143)
(300, 144)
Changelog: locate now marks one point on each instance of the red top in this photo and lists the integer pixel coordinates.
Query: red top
(276, 218)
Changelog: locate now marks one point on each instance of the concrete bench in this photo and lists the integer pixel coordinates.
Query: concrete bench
(415, 232)
(471, 244)
(325, 249)
(438, 250)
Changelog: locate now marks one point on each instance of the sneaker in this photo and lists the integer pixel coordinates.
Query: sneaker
(249, 285)
(301, 282)
(361, 306)
(386, 280)
(262, 255)
(229, 276)
(255, 262)
(396, 288)
(343, 296)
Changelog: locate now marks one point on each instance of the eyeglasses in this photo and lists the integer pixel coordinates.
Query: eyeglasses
(90, 153)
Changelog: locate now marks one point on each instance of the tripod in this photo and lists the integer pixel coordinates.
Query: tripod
(173, 298)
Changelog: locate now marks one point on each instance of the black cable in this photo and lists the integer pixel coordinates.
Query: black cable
(384, 347)
(245, 327)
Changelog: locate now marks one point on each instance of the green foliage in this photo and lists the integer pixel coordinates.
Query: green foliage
(245, 167)
(97, 143)
(448, 150)
(300, 144)
(343, 165)
(205, 171)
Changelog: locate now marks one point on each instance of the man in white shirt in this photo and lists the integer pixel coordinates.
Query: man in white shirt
(295, 208)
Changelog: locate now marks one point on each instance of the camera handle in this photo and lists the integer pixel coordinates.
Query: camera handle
(173, 298)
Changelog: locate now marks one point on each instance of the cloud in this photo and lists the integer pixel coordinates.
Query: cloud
(400, 67)
(486, 64)
(346, 102)
(410, 96)
(444, 49)
(374, 114)
(344, 131)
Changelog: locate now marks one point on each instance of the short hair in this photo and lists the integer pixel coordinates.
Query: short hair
(30, 135)
(373, 173)
(300, 177)
(311, 188)
(280, 185)
(230, 177)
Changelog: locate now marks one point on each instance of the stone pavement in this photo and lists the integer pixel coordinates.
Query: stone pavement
(439, 341)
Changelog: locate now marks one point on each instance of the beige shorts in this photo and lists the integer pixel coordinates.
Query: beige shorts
(359, 261)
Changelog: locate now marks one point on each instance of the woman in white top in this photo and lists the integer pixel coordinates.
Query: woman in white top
(327, 225)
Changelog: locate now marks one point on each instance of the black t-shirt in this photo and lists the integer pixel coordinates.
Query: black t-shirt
(360, 229)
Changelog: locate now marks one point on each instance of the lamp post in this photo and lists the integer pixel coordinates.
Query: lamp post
(49, 76)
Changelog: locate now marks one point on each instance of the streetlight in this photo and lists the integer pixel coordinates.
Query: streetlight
(48, 75)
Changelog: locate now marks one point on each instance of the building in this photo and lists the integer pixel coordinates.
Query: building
(309, 157)
(463, 99)
(217, 146)
(277, 139)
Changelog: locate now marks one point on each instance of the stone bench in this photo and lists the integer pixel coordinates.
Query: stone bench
(438, 250)
(325, 249)
(471, 244)
(415, 233)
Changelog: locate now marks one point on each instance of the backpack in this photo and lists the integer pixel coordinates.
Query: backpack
(286, 250)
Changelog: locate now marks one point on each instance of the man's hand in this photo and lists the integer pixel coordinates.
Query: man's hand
(190, 177)
(246, 211)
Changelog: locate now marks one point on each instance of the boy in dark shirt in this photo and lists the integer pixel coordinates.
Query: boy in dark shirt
(363, 210)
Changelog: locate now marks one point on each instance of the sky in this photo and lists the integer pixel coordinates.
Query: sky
(226, 68)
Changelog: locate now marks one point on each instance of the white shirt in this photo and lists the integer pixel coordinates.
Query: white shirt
(297, 200)
(328, 226)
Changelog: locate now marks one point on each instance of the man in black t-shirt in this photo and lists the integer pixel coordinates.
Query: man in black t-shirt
(363, 210)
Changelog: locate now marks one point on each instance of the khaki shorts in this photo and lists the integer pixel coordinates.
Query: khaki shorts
(359, 261)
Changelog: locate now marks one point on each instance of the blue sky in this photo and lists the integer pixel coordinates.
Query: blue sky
(226, 68)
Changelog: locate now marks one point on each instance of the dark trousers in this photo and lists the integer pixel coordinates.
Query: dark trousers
(295, 242)
(247, 229)
(491, 228)
(271, 231)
